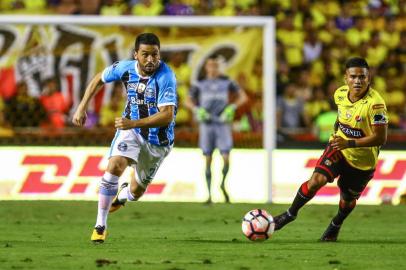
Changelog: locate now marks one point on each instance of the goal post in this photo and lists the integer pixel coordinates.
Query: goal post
(268, 53)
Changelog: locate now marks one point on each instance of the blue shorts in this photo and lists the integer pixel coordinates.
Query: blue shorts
(215, 135)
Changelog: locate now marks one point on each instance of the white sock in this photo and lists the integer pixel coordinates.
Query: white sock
(126, 195)
(107, 191)
(122, 196)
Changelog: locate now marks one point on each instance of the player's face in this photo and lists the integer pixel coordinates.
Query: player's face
(212, 67)
(357, 79)
(148, 57)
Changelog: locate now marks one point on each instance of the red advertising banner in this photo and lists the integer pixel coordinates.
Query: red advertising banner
(388, 184)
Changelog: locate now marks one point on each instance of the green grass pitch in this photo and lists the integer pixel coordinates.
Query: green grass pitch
(174, 236)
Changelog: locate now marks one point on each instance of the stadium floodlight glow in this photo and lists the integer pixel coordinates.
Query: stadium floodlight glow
(268, 37)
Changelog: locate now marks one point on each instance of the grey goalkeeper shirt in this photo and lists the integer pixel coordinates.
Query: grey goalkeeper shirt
(213, 95)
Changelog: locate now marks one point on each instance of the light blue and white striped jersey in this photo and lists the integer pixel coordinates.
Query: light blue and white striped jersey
(145, 95)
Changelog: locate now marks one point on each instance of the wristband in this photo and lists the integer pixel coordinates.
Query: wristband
(351, 143)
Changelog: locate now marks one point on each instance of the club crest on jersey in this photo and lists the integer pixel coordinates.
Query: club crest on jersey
(141, 88)
(358, 118)
(122, 146)
(328, 162)
(150, 93)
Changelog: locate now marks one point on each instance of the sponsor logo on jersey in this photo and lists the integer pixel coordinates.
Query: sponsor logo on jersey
(378, 106)
(380, 118)
(350, 131)
(132, 86)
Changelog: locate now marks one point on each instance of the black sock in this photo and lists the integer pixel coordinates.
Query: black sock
(224, 171)
(343, 211)
(303, 195)
(208, 180)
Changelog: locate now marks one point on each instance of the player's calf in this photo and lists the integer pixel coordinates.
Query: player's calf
(117, 203)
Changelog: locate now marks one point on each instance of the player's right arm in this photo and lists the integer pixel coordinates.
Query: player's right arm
(79, 117)
(109, 74)
(191, 99)
(192, 104)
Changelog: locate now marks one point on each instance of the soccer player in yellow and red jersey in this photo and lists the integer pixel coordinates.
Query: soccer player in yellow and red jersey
(352, 151)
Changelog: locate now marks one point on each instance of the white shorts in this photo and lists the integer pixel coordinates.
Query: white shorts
(147, 157)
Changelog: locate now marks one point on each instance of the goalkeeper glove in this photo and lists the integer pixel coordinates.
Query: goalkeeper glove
(228, 113)
(202, 115)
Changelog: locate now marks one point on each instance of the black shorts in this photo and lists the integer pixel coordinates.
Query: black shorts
(351, 181)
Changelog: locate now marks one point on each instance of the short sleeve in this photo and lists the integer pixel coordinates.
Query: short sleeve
(336, 97)
(167, 93)
(194, 92)
(378, 113)
(233, 87)
(112, 73)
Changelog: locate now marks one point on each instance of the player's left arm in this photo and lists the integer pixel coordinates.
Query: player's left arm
(167, 102)
(162, 118)
(241, 97)
(378, 137)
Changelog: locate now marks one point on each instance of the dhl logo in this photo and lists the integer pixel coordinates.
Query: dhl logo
(34, 182)
(390, 180)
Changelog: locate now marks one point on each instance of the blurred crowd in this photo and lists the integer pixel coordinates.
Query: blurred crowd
(313, 40)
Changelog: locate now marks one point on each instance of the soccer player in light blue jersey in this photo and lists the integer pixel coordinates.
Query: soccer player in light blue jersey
(145, 132)
(210, 100)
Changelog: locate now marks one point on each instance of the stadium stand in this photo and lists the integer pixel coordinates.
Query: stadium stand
(313, 40)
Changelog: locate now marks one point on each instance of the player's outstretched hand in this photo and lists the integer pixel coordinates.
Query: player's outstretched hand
(79, 117)
(339, 143)
(228, 113)
(123, 123)
(202, 115)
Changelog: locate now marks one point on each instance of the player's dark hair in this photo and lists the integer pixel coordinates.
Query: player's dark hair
(356, 62)
(148, 39)
(213, 57)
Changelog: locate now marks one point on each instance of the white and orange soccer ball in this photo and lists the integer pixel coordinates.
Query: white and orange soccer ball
(258, 225)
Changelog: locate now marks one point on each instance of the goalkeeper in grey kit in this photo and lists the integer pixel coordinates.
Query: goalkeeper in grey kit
(209, 99)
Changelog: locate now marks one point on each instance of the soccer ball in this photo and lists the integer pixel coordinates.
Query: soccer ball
(258, 225)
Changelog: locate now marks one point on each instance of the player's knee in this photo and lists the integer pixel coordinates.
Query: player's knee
(317, 181)
(348, 202)
(117, 166)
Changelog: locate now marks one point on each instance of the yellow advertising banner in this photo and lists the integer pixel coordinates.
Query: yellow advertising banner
(73, 54)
